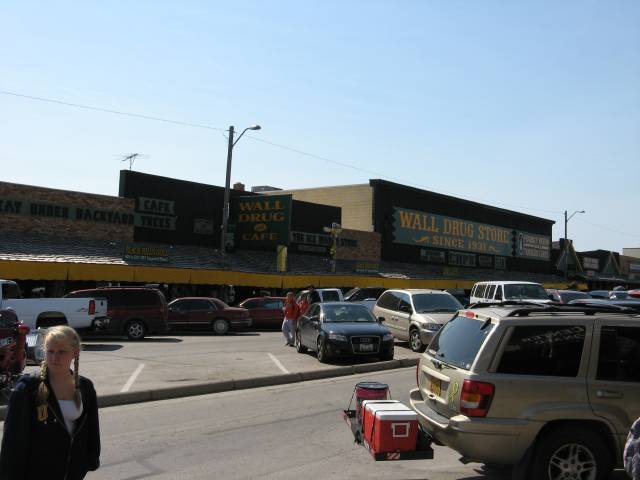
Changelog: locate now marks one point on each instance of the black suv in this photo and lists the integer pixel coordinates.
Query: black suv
(133, 311)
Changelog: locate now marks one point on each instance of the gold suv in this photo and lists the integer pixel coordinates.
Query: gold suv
(552, 390)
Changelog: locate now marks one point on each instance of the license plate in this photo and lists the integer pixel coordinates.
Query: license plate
(366, 347)
(435, 385)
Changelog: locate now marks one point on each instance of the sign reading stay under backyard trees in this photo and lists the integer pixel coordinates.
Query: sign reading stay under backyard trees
(262, 220)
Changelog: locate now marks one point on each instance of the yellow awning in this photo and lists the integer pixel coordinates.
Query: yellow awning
(23, 270)
(15, 270)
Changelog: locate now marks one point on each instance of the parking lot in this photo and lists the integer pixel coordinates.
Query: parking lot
(116, 364)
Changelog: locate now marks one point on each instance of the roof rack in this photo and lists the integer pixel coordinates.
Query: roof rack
(586, 309)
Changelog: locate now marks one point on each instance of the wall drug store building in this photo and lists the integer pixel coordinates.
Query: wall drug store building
(442, 236)
(166, 231)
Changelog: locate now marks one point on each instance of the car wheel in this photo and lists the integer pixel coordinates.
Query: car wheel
(571, 453)
(136, 330)
(322, 351)
(299, 347)
(220, 326)
(388, 356)
(415, 342)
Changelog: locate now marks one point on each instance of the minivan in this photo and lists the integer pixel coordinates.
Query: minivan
(132, 311)
(505, 291)
(415, 315)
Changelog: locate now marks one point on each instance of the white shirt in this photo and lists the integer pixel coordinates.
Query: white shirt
(70, 413)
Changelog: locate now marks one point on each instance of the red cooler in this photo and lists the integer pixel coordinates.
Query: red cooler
(369, 391)
(389, 426)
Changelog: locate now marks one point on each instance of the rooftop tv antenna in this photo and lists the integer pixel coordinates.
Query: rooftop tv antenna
(131, 157)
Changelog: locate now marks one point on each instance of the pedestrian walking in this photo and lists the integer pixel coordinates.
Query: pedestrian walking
(51, 427)
(312, 295)
(291, 312)
(632, 451)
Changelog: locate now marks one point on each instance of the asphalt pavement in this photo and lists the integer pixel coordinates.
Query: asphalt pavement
(194, 363)
(285, 432)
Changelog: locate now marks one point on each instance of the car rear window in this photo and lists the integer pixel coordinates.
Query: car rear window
(458, 342)
(330, 296)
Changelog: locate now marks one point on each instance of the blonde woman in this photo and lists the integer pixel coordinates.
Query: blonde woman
(51, 429)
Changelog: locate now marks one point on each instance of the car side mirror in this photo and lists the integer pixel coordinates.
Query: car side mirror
(405, 308)
(381, 319)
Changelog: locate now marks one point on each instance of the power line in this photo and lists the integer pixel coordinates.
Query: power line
(602, 227)
(106, 110)
(284, 147)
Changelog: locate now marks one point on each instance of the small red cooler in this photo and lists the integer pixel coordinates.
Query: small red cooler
(389, 426)
(369, 391)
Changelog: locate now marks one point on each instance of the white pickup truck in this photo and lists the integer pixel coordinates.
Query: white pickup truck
(83, 314)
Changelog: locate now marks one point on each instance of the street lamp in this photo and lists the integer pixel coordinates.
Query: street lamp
(566, 241)
(225, 207)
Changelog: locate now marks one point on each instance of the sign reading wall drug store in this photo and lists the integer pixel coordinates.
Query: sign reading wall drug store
(424, 229)
(262, 220)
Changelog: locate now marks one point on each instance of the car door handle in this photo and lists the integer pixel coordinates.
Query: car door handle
(608, 394)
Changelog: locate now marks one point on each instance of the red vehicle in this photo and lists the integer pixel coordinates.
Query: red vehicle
(265, 312)
(634, 293)
(13, 354)
(207, 312)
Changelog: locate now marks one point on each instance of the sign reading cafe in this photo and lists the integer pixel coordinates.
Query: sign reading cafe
(412, 227)
(262, 220)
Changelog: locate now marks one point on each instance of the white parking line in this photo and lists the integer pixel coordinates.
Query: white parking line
(278, 364)
(132, 378)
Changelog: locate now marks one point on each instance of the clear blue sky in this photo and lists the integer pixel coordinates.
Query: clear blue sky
(532, 106)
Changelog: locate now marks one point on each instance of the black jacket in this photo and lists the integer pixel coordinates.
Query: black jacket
(34, 450)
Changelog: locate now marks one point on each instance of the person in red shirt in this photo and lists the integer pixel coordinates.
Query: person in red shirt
(291, 312)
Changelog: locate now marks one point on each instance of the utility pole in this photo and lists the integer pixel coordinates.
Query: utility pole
(225, 206)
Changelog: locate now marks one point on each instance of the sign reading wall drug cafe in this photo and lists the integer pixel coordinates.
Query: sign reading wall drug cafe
(262, 220)
(424, 229)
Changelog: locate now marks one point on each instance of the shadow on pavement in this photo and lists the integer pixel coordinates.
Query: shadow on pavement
(100, 347)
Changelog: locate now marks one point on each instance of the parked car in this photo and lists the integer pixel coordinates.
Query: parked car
(508, 291)
(326, 294)
(600, 294)
(343, 329)
(364, 295)
(634, 293)
(12, 347)
(80, 314)
(551, 389)
(132, 311)
(565, 296)
(460, 295)
(208, 313)
(618, 295)
(415, 315)
(265, 312)
(631, 303)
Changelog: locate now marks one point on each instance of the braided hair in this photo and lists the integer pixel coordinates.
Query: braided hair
(71, 337)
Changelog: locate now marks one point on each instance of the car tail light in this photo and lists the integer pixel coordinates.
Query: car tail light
(23, 329)
(475, 398)
(92, 307)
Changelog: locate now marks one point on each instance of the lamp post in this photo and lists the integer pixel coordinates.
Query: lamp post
(225, 207)
(566, 241)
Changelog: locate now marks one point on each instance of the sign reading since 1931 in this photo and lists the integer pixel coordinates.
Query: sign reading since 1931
(262, 220)
(412, 227)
